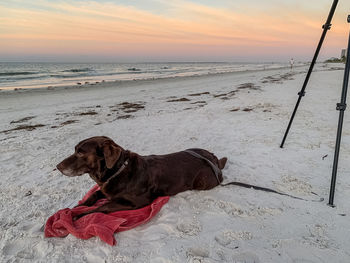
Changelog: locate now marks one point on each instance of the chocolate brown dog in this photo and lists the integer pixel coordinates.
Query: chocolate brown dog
(130, 181)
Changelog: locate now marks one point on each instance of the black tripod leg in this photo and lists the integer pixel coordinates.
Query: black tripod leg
(341, 107)
(326, 27)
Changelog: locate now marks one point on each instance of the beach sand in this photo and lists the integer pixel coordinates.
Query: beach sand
(238, 115)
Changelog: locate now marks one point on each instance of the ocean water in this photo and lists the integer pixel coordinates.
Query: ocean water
(16, 75)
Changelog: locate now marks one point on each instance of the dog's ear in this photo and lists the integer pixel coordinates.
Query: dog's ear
(111, 153)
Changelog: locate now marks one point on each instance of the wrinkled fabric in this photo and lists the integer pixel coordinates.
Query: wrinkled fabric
(99, 224)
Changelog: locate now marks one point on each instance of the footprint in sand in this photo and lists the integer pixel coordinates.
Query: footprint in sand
(161, 260)
(292, 183)
(231, 239)
(13, 248)
(198, 252)
(196, 260)
(226, 241)
(189, 228)
(44, 248)
(246, 257)
(97, 255)
(18, 249)
(34, 229)
(317, 237)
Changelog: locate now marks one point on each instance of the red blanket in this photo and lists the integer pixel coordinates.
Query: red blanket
(98, 224)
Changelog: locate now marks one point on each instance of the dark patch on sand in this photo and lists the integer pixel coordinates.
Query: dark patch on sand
(23, 119)
(250, 86)
(225, 96)
(335, 68)
(11, 137)
(230, 94)
(199, 102)
(278, 78)
(128, 107)
(124, 117)
(131, 110)
(264, 107)
(91, 107)
(219, 95)
(63, 124)
(28, 193)
(199, 94)
(86, 113)
(24, 127)
(68, 122)
(239, 109)
(178, 100)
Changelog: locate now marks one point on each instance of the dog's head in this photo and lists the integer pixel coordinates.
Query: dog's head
(93, 156)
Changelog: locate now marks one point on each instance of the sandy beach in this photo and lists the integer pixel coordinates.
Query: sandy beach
(240, 115)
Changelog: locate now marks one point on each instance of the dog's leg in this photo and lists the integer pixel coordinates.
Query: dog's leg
(107, 208)
(118, 205)
(205, 180)
(93, 198)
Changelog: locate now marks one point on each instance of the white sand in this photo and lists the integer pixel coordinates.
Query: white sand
(226, 224)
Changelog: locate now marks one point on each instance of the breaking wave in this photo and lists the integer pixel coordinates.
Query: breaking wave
(16, 73)
(76, 70)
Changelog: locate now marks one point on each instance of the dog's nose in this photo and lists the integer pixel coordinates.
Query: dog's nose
(59, 167)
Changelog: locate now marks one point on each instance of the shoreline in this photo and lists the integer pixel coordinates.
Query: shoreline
(106, 83)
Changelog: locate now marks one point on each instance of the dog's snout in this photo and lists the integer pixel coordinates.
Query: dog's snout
(70, 167)
(59, 167)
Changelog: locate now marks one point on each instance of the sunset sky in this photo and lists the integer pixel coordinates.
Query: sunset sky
(169, 30)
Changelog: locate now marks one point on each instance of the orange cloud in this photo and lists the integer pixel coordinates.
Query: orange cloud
(94, 27)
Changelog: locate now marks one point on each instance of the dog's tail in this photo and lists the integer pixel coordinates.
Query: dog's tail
(222, 163)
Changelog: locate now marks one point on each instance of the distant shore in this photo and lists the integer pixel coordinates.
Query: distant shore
(20, 80)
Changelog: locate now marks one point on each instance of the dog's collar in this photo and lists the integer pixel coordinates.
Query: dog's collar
(120, 170)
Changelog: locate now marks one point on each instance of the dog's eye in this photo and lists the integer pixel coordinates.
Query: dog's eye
(79, 153)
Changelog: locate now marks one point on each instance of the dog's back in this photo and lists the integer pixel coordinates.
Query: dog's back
(181, 171)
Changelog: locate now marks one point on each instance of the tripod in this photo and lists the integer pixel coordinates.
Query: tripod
(340, 106)
(301, 94)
